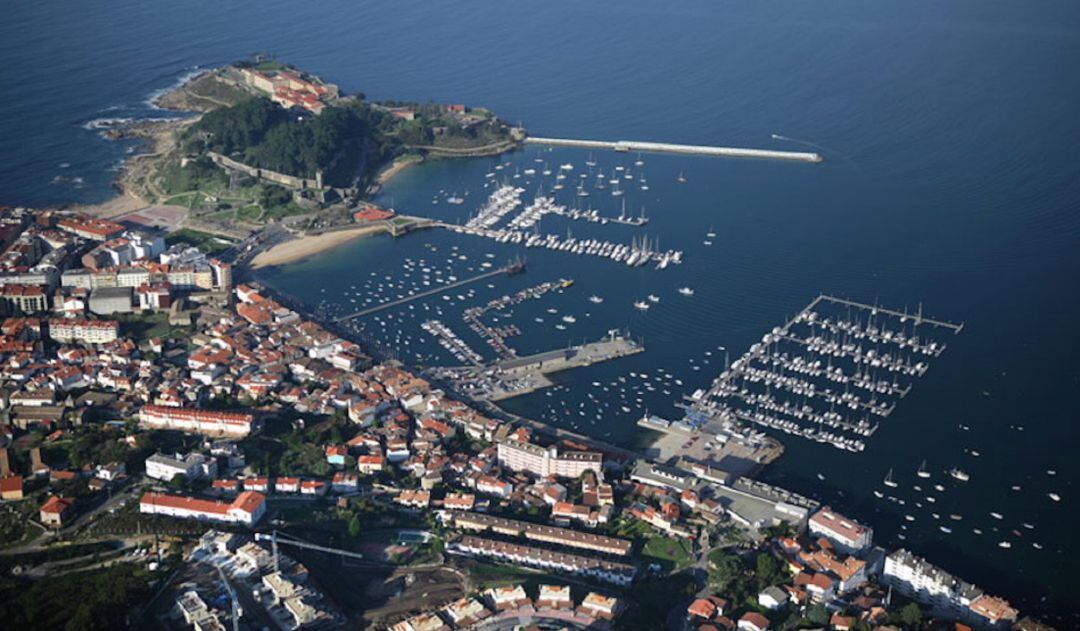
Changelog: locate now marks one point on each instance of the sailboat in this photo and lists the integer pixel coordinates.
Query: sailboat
(889, 482)
(922, 472)
(681, 179)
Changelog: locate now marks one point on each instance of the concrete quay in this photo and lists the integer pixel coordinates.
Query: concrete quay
(663, 147)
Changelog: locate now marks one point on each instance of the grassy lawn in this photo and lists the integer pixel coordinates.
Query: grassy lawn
(285, 210)
(671, 554)
(146, 326)
(485, 575)
(208, 243)
(212, 88)
(252, 213)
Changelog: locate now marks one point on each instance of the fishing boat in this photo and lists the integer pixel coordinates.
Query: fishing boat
(959, 475)
(889, 482)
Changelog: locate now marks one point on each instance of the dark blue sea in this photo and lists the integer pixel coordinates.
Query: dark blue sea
(951, 179)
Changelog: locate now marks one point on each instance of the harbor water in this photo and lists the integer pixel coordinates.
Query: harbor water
(949, 179)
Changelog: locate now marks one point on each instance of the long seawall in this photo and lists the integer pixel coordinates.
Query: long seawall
(663, 147)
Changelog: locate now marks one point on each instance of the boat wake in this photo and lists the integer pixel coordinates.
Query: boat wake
(807, 143)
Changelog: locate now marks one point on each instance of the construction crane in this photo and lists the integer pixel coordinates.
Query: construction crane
(278, 538)
(235, 605)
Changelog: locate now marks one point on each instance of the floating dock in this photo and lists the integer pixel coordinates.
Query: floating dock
(664, 147)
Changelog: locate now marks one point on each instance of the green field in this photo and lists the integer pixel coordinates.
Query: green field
(208, 243)
(671, 554)
(149, 325)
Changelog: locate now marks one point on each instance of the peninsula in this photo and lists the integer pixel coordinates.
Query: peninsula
(284, 158)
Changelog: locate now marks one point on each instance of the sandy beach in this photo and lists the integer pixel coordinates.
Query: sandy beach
(303, 247)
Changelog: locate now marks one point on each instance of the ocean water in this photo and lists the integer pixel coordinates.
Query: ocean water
(949, 131)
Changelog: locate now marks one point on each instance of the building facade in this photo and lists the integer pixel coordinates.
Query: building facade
(196, 421)
(540, 461)
(246, 509)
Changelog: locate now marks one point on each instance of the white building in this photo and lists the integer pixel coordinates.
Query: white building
(847, 534)
(88, 331)
(245, 510)
(521, 456)
(193, 466)
(929, 584)
(196, 421)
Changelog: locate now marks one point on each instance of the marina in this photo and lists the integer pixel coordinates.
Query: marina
(523, 229)
(829, 374)
(496, 336)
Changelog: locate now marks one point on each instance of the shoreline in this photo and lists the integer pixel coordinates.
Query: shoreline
(391, 171)
(300, 248)
(132, 182)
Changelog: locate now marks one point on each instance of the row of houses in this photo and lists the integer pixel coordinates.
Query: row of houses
(479, 522)
(613, 572)
(553, 603)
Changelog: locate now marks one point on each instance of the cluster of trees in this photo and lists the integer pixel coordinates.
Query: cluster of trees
(96, 599)
(261, 133)
(732, 576)
(231, 130)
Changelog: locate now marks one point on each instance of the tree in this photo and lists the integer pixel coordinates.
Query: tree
(354, 527)
(178, 481)
(818, 615)
(910, 616)
(770, 571)
(725, 569)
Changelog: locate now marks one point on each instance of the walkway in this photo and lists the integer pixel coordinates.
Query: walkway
(423, 294)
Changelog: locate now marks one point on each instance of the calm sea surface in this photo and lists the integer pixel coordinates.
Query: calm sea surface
(951, 179)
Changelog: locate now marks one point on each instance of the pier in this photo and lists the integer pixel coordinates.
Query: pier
(513, 268)
(663, 147)
(522, 375)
